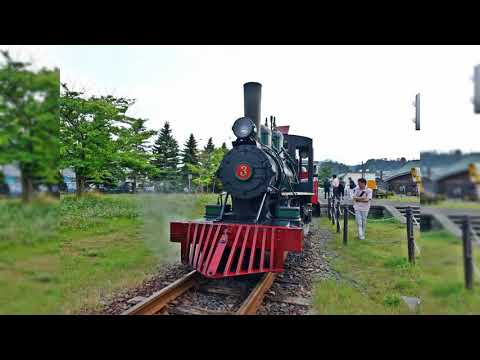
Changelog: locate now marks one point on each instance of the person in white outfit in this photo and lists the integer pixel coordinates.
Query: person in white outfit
(334, 183)
(362, 197)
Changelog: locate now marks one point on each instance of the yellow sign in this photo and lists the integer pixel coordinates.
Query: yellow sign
(474, 174)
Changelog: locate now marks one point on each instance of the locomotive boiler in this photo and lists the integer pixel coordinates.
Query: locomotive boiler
(270, 193)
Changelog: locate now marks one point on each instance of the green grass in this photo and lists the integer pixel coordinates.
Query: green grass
(452, 204)
(375, 273)
(61, 257)
(399, 198)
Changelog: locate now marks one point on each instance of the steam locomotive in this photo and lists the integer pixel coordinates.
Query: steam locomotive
(271, 194)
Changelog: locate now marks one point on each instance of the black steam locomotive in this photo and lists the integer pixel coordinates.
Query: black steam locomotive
(262, 172)
(271, 192)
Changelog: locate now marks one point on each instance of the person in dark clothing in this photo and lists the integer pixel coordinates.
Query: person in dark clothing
(351, 185)
(326, 188)
(341, 188)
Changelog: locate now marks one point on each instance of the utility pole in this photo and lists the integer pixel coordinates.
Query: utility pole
(189, 181)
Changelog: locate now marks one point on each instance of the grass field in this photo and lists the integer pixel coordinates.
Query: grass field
(452, 204)
(60, 257)
(376, 273)
(399, 198)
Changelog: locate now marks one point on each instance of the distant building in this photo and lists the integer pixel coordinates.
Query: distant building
(69, 180)
(401, 180)
(12, 179)
(457, 181)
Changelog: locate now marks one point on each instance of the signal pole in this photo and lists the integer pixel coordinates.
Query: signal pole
(417, 112)
(476, 91)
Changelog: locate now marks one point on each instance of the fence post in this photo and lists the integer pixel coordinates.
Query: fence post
(345, 224)
(337, 212)
(328, 208)
(467, 252)
(333, 211)
(410, 239)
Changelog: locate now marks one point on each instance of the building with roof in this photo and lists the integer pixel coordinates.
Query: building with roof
(460, 180)
(401, 181)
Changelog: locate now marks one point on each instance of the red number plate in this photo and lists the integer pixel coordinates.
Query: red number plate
(243, 172)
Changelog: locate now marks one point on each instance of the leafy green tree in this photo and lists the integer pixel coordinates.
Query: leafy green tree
(165, 155)
(325, 171)
(88, 127)
(29, 122)
(205, 173)
(218, 186)
(132, 145)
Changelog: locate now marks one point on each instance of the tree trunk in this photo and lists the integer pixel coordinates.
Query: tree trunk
(27, 186)
(80, 180)
(134, 190)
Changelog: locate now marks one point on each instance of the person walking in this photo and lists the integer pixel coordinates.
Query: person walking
(335, 183)
(351, 185)
(326, 188)
(362, 197)
(341, 188)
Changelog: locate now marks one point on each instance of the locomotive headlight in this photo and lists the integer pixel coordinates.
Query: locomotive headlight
(243, 127)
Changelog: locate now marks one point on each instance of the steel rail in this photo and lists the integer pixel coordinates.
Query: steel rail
(159, 300)
(254, 300)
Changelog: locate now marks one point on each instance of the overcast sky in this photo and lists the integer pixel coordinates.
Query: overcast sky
(354, 101)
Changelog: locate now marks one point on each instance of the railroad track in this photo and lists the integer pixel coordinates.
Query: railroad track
(169, 299)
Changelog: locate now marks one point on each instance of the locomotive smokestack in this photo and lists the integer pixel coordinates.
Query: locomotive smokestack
(252, 97)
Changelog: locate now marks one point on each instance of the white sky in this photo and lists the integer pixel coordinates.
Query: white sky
(354, 101)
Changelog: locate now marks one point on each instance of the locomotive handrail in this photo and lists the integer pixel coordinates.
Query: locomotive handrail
(261, 208)
(291, 162)
(222, 211)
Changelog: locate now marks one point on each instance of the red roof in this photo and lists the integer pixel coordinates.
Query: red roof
(283, 129)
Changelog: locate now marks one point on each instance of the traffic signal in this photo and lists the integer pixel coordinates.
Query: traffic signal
(417, 112)
(476, 91)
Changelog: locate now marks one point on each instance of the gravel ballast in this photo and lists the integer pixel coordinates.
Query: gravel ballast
(290, 294)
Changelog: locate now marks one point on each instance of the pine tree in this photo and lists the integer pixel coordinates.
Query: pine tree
(165, 154)
(224, 148)
(190, 154)
(209, 147)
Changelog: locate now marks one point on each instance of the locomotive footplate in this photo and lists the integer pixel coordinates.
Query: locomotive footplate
(219, 250)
